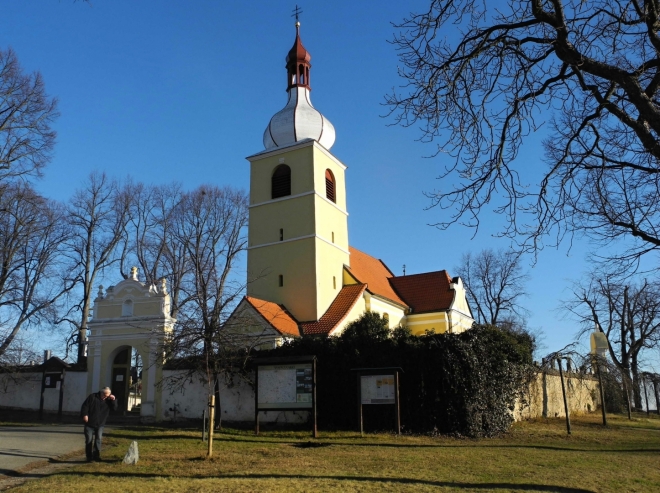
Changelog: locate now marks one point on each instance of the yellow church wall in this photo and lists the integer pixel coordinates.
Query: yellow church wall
(395, 313)
(422, 322)
(315, 231)
(329, 267)
(324, 160)
(331, 223)
(295, 216)
(295, 261)
(348, 279)
(262, 168)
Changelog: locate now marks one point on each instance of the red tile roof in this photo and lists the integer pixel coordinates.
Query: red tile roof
(374, 273)
(342, 304)
(276, 315)
(427, 292)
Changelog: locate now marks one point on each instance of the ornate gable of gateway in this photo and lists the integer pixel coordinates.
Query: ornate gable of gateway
(132, 298)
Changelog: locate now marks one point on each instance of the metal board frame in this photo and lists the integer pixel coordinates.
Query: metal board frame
(394, 372)
(284, 361)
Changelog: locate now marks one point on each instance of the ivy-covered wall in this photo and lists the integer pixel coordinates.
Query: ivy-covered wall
(463, 384)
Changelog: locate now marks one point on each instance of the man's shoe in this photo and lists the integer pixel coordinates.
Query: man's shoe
(89, 459)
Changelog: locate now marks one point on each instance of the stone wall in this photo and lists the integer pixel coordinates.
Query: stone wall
(236, 403)
(544, 399)
(188, 399)
(23, 391)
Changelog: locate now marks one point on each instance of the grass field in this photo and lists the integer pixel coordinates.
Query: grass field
(533, 456)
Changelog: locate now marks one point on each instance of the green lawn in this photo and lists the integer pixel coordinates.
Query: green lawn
(534, 456)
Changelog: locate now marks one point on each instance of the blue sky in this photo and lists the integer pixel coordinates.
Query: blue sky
(165, 91)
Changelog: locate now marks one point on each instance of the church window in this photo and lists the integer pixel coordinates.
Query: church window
(301, 76)
(281, 234)
(333, 236)
(127, 309)
(386, 317)
(330, 186)
(281, 182)
(281, 282)
(334, 282)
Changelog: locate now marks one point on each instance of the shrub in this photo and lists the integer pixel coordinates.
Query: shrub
(463, 384)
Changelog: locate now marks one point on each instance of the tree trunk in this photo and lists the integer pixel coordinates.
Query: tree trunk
(626, 392)
(636, 381)
(218, 408)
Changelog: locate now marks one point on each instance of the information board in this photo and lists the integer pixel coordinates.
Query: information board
(377, 389)
(285, 386)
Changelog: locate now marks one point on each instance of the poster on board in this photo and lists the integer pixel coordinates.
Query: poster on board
(377, 389)
(285, 386)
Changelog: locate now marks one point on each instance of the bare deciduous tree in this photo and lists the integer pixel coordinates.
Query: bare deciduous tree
(152, 238)
(26, 115)
(480, 77)
(627, 312)
(495, 284)
(32, 232)
(209, 224)
(97, 216)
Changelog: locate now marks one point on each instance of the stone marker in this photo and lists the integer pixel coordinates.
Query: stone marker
(132, 456)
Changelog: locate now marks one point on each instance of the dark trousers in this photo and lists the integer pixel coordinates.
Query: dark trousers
(93, 439)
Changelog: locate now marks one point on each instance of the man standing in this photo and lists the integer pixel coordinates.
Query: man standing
(94, 412)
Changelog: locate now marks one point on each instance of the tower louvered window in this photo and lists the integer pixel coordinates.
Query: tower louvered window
(281, 182)
(330, 186)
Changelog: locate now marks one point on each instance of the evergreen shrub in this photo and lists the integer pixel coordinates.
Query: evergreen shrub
(462, 384)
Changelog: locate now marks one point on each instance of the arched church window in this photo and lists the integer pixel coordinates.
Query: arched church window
(301, 74)
(281, 182)
(127, 309)
(330, 186)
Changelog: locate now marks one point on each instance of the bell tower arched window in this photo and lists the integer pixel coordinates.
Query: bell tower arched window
(330, 186)
(281, 182)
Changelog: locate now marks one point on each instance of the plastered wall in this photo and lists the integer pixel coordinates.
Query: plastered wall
(544, 396)
(236, 403)
(23, 391)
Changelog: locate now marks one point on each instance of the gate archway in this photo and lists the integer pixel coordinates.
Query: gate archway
(130, 323)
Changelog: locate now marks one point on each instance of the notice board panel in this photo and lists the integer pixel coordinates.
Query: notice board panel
(285, 386)
(377, 389)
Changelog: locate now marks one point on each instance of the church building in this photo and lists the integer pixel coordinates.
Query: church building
(303, 277)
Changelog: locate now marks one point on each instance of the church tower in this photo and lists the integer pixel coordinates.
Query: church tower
(298, 226)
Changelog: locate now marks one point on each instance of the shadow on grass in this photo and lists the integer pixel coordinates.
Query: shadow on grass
(363, 479)
(298, 443)
(139, 437)
(21, 453)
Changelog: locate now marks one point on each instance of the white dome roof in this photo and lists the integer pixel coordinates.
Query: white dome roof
(297, 121)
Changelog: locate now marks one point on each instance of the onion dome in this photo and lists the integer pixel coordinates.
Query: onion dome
(298, 120)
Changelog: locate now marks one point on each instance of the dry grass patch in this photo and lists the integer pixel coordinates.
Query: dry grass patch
(534, 456)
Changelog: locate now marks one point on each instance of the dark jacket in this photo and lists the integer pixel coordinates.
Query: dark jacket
(97, 409)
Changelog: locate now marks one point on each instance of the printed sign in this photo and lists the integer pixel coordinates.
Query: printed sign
(377, 389)
(52, 381)
(286, 386)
